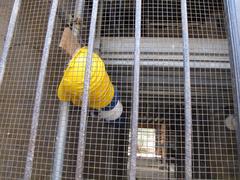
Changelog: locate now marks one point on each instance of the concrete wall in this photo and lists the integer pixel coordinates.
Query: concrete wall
(5, 12)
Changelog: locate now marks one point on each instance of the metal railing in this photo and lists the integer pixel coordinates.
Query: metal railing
(232, 8)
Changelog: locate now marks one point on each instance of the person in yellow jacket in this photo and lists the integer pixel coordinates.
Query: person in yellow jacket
(101, 89)
(102, 95)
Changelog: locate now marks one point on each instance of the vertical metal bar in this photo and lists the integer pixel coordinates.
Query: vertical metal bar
(64, 112)
(187, 93)
(99, 26)
(39, 91)
(9, 36)
(232, 9)
(83, 121)
(79, 8)
(60, 141)
(135, 106)
(78, 17)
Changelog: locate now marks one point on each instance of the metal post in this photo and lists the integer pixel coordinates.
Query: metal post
(135, 106)
(83, 121)
(79, 8)
(60, 141)
(232, 9)
(39, 91)
(99, 26)
(64, 112)
(8, 40)
(78, 17)
(187, 93)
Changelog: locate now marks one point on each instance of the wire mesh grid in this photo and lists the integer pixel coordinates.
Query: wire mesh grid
(160, 153)
(107, 143)
(19, 85)
(214, 142)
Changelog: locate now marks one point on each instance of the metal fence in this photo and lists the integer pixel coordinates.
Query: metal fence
(170, 128)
